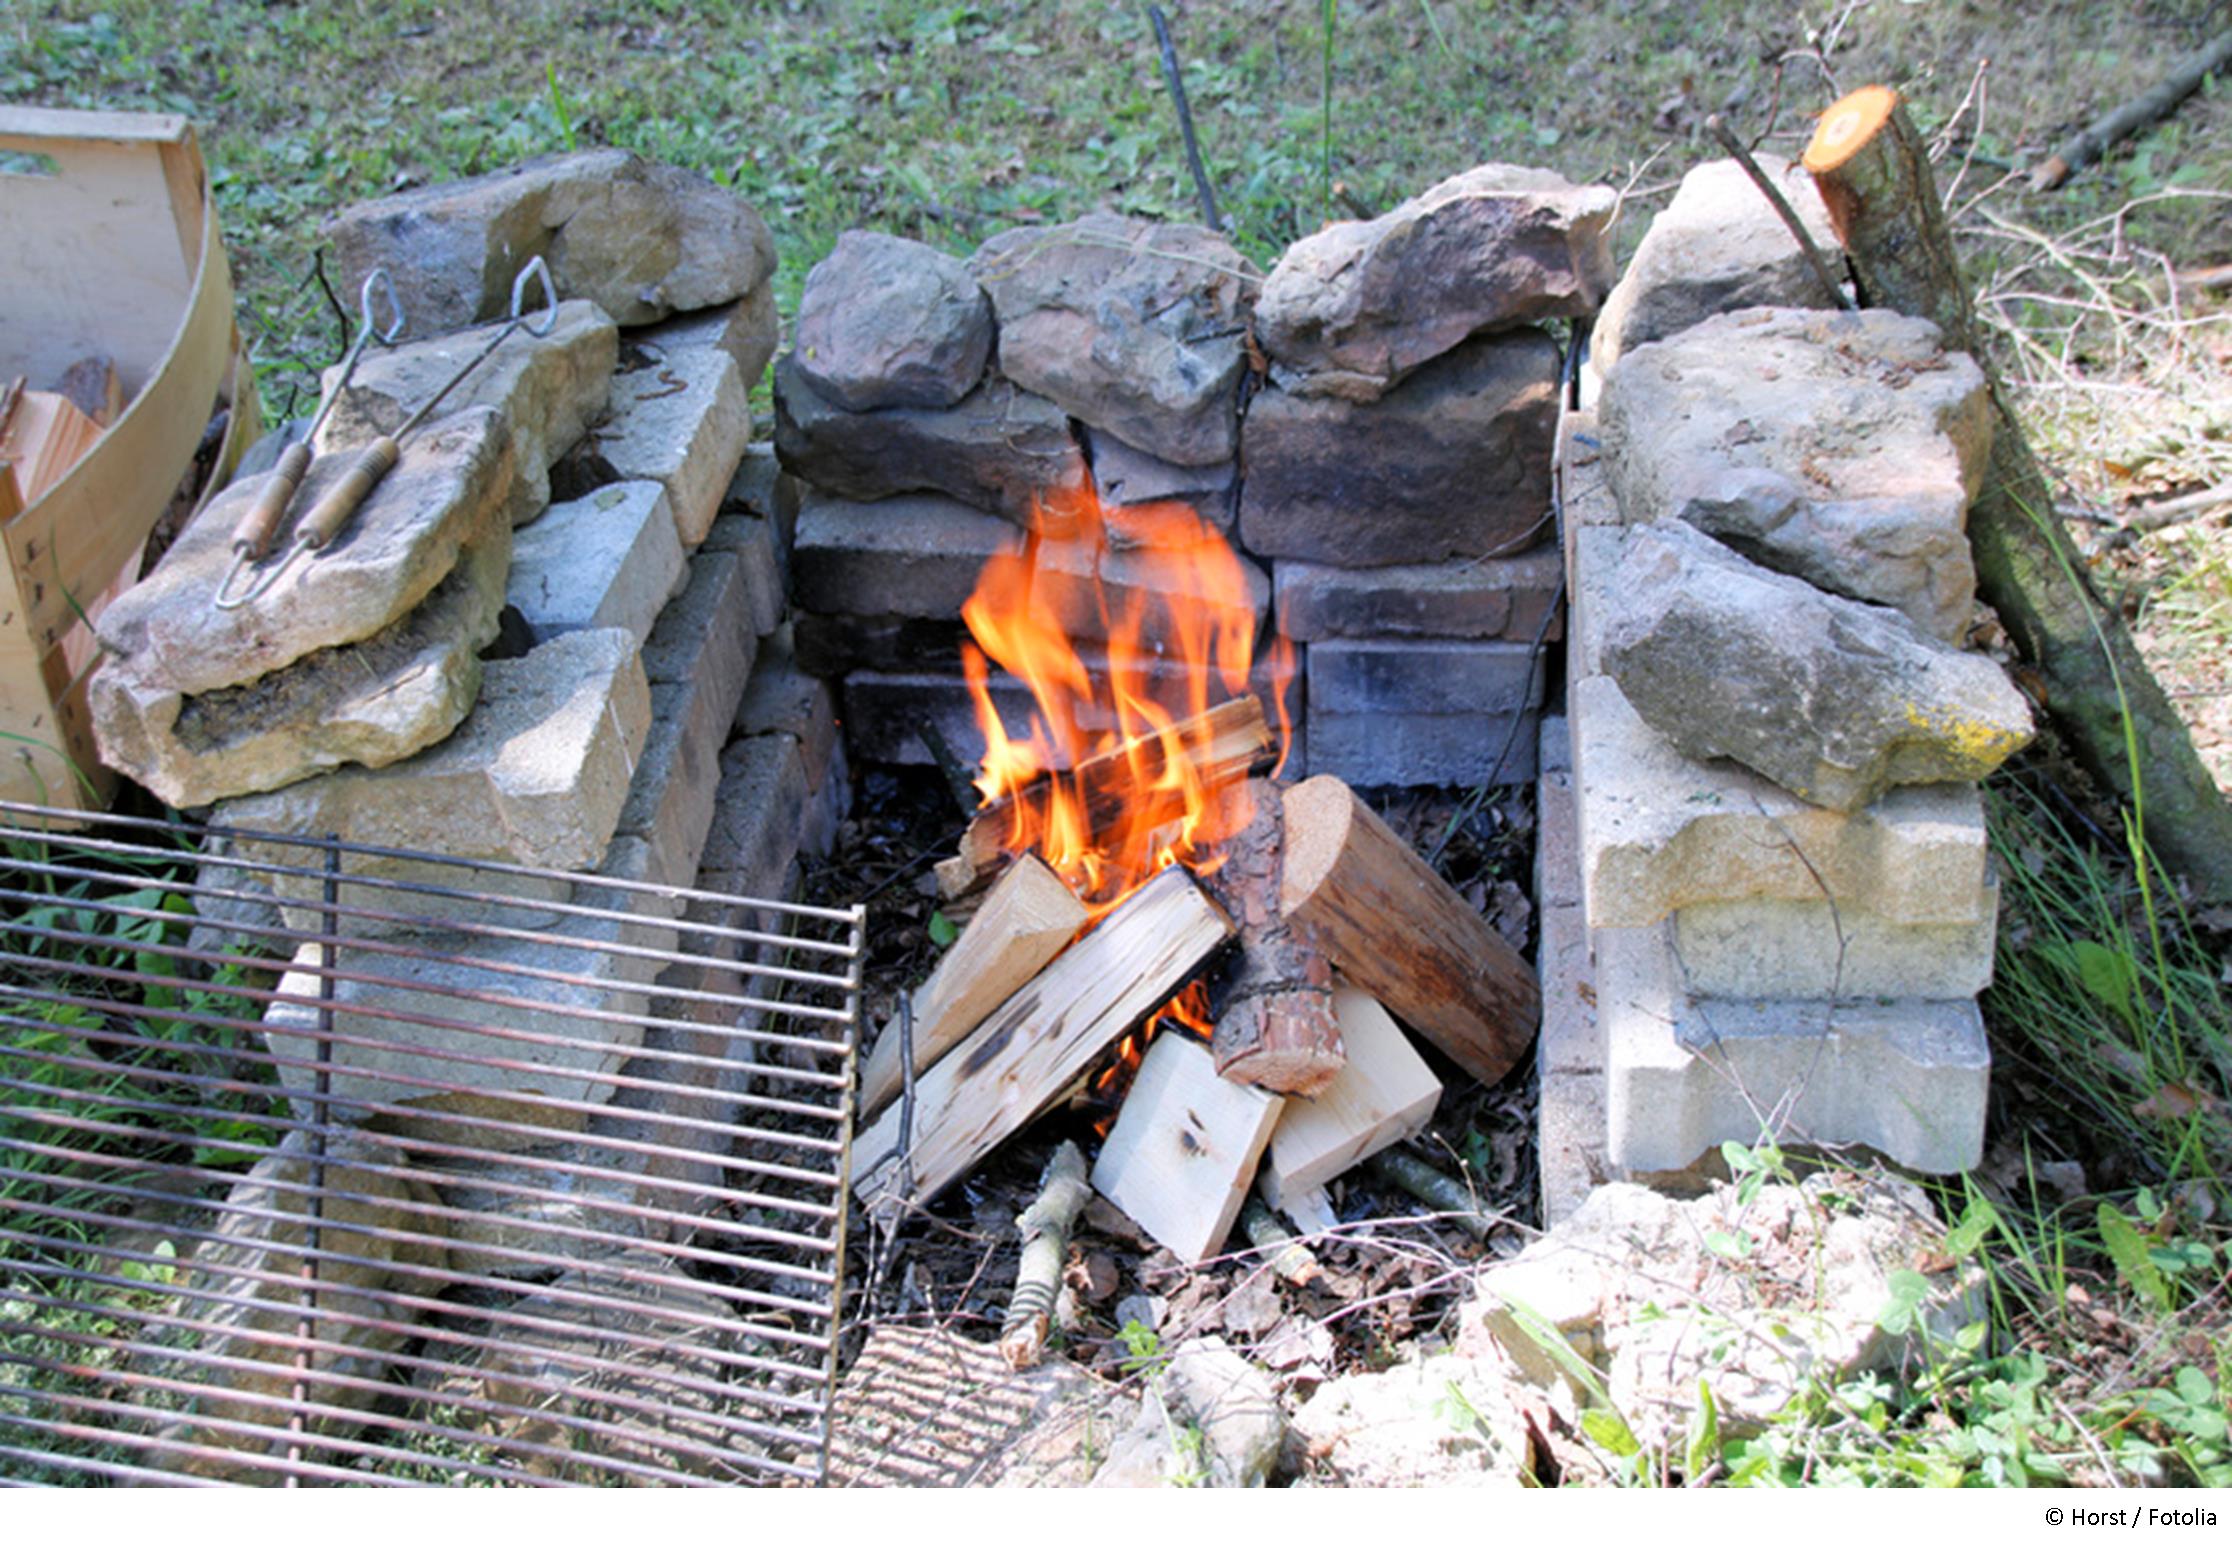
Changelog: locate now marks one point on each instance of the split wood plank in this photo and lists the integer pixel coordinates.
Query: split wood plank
(1185, 1147)
(1029, 1051)
(1225, 743)
(1025, 922)
(1275, 1024)
(1311, 1210)
(1396, 930)
(1383, 1096)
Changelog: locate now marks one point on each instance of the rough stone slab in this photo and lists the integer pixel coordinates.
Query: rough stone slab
(446, 493)
(549, 389)
(999, 449)
(684, 422)
(918, 556)
(1132, 326)
(1718, 247)
(1356, 307)
(747, 332)
(1781, 950)
(1841, 447)
(782, 698)
(402, 1056)
(889, 323)
(1383, 747)
(609, 560)
(1422, 677)
(639, 239)
(536, 775)
(370, 703)
(1466, 599)
(1906, 1077)
(1453, 463)
(1125, 475)
(1835, 700)
(1661, 832)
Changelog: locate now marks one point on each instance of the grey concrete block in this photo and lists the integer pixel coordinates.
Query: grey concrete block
(780, 697)
(609, 560)
(1778, 949)
(1470, 599)
(759, 814)
(1390, 748)
(1906, 1077)
(766, 585)
(706, 632)
(1422, 677)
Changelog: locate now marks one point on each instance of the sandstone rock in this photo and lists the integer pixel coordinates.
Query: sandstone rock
(1835, 701)
(1798, 1302)
(1453, 463)
(243, 1285)
(998, 450)
(1841, 447)
(639, 239)
(609, 560)
(684, 423)
(889, 323)
(536, 776)
(1132, 326)
(447, 493)
(549, 390)
(1718, 247)
(1465, 599)
(370, 703)
(1443, 1422)
(746, 332)
(1358, 306)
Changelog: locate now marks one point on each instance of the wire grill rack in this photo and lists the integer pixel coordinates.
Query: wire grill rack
(328, 1163)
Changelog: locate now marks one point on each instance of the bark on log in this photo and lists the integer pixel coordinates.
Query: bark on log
(1875, 178)
(1436, 1190)
(1045, 1229)
(1275, 1023)
(1281, 1248)
(1396, 930)
(1025, 922)
(2090, 143)
(1226, 743)
(1029, 1051)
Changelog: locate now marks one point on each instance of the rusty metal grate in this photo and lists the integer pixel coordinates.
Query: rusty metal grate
(325, 1163)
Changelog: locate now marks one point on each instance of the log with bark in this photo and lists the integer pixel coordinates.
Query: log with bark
(1874, 176)
(1025, 922)
(1045, 1229)
(1275, 1022)
(1031, 1050)
(1378, 912)
(1226, 742)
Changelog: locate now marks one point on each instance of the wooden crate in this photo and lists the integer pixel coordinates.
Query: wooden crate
(109, 246)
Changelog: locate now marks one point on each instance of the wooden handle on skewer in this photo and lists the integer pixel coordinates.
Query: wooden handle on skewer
(350, 490)
(254, 534)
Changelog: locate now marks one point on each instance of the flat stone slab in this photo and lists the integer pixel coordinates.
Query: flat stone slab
(1660, 832)
(684, 423)
(1132, 326)
(1452, 463)
(1835, 700)
(1718, 247)
(746, 331)
(370, 703)
(535, 776)
(1906, 1077)
(999, 449)
(640, 239)
(610, 560)
(447, 492)
(1125, 475)
(918, 556)
(1356, 307)
(1465, 599)
(1840, 447)
(550, 389)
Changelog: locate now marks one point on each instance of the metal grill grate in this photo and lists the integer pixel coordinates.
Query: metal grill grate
(326, 1163)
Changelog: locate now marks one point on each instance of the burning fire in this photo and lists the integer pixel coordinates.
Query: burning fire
(1110, 784)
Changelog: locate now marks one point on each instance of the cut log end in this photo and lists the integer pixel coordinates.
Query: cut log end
(1850, 123)
(1283, 1040)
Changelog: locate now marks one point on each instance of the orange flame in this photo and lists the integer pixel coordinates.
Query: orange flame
(1108, 785)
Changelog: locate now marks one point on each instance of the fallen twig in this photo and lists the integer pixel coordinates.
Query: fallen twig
(1177, 85)
(2089, 144)
(1045, 1229)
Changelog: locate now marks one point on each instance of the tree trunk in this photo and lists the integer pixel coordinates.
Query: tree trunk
(1875, 178)
(1275, 1025)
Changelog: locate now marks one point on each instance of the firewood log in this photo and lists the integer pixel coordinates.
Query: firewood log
(1275, 1025)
